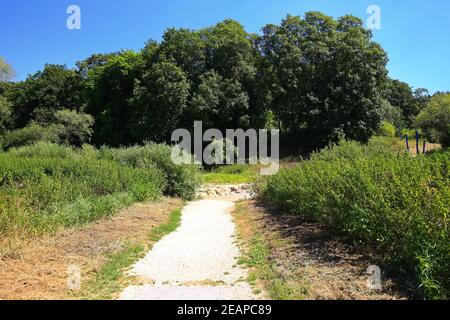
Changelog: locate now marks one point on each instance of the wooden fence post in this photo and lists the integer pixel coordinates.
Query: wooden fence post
(417, 142)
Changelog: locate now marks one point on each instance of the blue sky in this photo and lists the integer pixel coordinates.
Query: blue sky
(415, 33)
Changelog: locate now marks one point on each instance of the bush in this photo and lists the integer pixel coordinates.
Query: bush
(434, 120)
(29, 135)
(38, 194)
(387, 130)
(74, 128)
(44, 150)
(182, 180)
(396, 205)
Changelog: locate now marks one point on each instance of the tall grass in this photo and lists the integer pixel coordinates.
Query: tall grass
(40, 194)
(46, 186)
(397, 205)
(182, 180)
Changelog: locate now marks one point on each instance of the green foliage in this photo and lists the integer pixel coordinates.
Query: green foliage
(434, 120)
(29, 135)
(45, 187)
(42, 94)
(392, 115)
(401, 97)
(411, 133)
(5, 114)
(158, 103)
(238, 173)
(397, 205)
(110, 81)
(314, 77)
(387, 130)
(316, 62)
(68, 127)
(182, 180)
(74, 128)
(6, 71)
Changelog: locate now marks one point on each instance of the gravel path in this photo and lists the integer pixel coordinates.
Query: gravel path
(196, 262)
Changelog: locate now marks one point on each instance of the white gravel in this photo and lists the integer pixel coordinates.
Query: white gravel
(196, 262)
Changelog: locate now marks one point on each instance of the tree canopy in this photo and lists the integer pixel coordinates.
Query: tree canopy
(434, 119)
(316, 78)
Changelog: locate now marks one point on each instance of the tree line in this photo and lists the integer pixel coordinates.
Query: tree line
(316, 78)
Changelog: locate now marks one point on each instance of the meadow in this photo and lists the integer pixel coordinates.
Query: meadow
(44, 187)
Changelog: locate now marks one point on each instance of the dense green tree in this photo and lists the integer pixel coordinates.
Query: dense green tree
(186, 48)
(316, 78)
(219, 63)
(434, 120)
(410, 102)
(44, 93)
(5, 114)
(220, 103)
(109, 87)
(158, 102)
(392, 115)
(329, 77)
(6, 71)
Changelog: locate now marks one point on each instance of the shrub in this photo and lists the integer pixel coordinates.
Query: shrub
(387, 130)
(74, 128)
(396, 205)
(182, 180)
(31, 134)
(44, 150)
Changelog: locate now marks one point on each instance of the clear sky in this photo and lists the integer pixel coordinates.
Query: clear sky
(415, 33)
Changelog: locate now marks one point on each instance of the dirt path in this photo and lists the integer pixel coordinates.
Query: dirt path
(198, 261)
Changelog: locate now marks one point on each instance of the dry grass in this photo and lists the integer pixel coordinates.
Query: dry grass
(38, 270)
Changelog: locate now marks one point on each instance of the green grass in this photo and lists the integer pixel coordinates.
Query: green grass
(394, 204)
(174, 222)
(40, 194)
(232, 174)
(109, 279)
(45, 187)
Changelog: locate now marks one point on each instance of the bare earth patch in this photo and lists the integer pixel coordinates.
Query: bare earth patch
(39, 269)
(307, 255)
